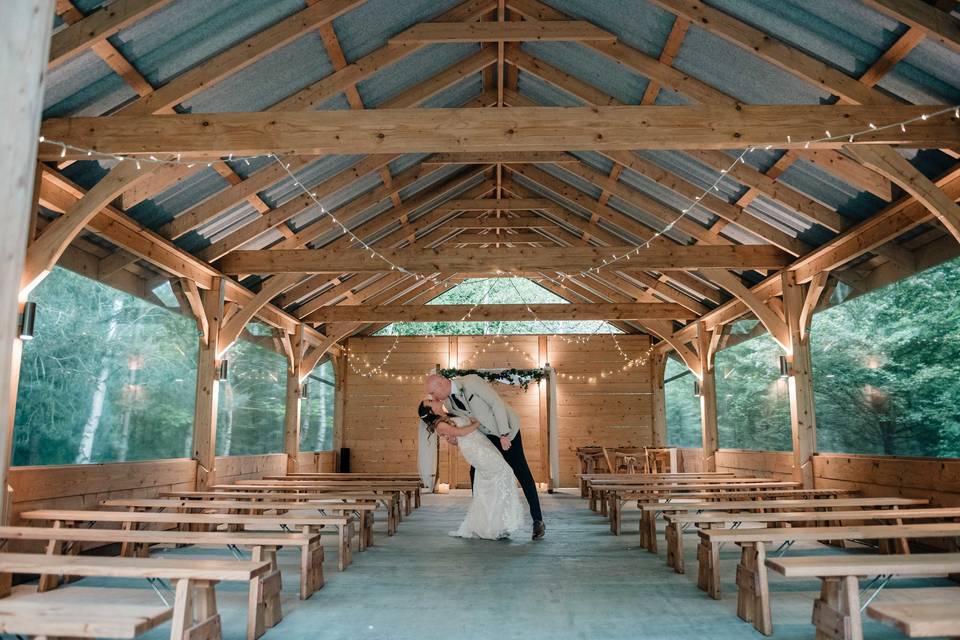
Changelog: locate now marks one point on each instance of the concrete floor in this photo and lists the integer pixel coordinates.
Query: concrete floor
(580, 582)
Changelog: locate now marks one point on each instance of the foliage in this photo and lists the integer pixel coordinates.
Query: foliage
(316, 410)
(105, 364)
(753, 406)
(497, 291)
(887, 369)
(521, 377)
(683, 408)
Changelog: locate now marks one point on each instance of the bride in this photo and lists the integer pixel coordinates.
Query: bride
(495, 511)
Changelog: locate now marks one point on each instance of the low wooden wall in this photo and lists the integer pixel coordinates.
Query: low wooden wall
(934, 478)
(380, 419)
(84, 486)
(762, 464)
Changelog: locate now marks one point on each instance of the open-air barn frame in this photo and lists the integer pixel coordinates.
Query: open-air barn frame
(329, 167)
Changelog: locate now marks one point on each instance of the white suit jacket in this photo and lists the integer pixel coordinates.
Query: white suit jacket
(496, 417)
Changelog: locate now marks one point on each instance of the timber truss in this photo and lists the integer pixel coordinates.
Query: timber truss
(504, 183)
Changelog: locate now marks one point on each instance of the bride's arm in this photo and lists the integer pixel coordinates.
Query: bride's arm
(447, 429)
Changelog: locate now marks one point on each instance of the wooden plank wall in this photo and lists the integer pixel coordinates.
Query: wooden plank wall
(762, 464)
(934, 478)
(380, 419)
(690, 459)
(611, 412)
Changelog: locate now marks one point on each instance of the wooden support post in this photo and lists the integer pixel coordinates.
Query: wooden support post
(708, 399)
(658, 365)
(205, 411)
(803, 417)
(291, 416)
(339, 400)
(24, 46)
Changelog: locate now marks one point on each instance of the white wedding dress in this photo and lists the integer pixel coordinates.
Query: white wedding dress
(496, 510)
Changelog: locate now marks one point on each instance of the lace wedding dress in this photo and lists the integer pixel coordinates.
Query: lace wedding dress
(495, 511)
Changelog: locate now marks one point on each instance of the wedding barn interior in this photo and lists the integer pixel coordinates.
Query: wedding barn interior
(521, 319)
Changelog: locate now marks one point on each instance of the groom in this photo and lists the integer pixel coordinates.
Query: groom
(471, 396)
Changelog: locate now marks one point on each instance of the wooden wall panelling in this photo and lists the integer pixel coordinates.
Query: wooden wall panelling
(934, 478)
(765, 464)
(613, 411)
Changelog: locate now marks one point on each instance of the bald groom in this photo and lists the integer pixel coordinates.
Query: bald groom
(471, 396)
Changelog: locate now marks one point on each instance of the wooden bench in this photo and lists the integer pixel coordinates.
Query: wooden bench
(363, 510)
(406, 492)
(37, 618)
(194, 612)
(390, 501)
(753, 595)
(617, 496)
(307, 524)
(919, 613)
(722, 519)
(752, 499)
(836, 613)
(263, 544)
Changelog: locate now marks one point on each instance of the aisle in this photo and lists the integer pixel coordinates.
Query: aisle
(580, 582)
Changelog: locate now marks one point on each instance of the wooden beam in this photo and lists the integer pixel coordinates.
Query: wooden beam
(311, 359)
(815, 289)
(195, 301)
(938, 25)
(45, 250)
(894, 54)
(208, 389)
(125, 232)
(98, 26)
(891, 164)
(234, 324)
(568, 259)
(521, 222)
(291, 414)
(500, 238)
(708, 399)
(491, 312)
(774, 323)
(803, 415)
(446, 32)
(25, 37)
(664, 330)
(484, 130)
(488, 204)
(514, 157)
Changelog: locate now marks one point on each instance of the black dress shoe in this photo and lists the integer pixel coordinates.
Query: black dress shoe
(539, 530)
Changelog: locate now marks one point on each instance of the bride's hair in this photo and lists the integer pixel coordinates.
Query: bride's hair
(428, 416)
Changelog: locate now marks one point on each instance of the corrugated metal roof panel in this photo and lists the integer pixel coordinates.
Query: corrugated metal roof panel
(591, 67)
(641, 25)
(738, 73)
(401, 76)
(83, 86)
(267, 81)
(370, 25)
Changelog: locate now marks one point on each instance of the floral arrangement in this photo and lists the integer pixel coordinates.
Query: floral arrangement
(521, 377)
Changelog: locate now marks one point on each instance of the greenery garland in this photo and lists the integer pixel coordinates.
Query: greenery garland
(522, 377)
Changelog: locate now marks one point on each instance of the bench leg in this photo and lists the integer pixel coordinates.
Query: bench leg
(311, 570)
(615, 514)
(205, 615)
(391, 519)
(371, 520)
(408, 503)
(711, 562)
(836, 614)
(362, 542)
(416, 497)
(343, 552)
(753, 595)
(651, 524)
(643, 529)
(674, 537)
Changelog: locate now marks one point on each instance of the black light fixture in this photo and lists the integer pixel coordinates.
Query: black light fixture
(27, 318)
(305, 391)
(222, 370)
(697, 389)
(785, 368)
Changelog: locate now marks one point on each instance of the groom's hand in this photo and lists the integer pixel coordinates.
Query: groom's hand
(504, 443)
(451, 439)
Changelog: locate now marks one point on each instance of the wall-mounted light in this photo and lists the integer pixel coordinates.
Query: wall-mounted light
(27, 319)
(305, 391)
(786, 369)
(697, 389)
(222, 370)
